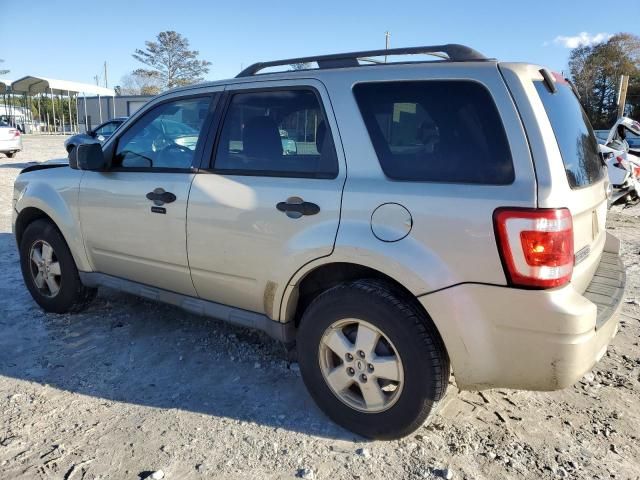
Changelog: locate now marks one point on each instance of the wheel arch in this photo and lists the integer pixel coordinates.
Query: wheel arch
(327, 275)
(42, 201)
(27, 216)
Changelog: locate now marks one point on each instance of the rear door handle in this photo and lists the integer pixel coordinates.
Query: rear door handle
(296, 207)
(160, 197)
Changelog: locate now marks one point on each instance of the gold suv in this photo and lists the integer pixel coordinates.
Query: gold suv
(390, 220)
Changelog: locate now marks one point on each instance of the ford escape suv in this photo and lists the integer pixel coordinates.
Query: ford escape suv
(425, 216)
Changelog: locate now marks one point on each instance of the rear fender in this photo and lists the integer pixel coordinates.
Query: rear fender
(407, 262)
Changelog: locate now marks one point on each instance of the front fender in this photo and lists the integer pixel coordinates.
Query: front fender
(57, 197)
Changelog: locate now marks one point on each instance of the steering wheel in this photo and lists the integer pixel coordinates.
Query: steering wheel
(164, 155)
(176, 146)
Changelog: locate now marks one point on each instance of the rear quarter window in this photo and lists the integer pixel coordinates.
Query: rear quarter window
(436, 131)
(576, 140)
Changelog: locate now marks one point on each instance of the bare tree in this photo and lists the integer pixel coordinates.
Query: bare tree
(141, 82)
(171, 59)
(300, 66)
(3, 72)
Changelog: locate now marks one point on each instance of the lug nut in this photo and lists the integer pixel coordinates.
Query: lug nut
(351, 371)
(363, 378)
(360, 353)
(349, 357)
(370, 367)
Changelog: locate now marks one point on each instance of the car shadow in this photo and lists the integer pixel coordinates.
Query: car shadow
(127, 349)
(17, 165)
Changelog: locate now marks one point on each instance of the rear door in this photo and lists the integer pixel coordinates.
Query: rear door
(268, 200)
(569, 170)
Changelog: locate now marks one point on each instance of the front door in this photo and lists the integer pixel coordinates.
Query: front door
(133, 216)
(270, 201)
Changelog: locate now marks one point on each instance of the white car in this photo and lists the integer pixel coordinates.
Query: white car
(10, 140)
(624, 174)
(623, 129)
(623, 161)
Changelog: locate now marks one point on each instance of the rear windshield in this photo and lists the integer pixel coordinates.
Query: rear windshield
(576, 140)
(436, 131)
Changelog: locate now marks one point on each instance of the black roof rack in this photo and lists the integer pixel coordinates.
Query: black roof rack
(451, 51)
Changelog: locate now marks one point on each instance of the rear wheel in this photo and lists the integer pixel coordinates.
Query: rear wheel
(372, 361)
(11, 154)
(49, 270)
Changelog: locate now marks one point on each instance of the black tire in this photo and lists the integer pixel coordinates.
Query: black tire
(11, 154)
(72, 296)
(415, 338)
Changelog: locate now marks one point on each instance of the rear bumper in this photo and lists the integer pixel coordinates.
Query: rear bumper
(529, 339)
(11, 145)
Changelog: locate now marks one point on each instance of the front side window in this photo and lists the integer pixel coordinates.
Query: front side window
(165, 137)
(436, 131)
(276, 133)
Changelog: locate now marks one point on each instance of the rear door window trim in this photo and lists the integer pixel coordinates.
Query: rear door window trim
(222, 111)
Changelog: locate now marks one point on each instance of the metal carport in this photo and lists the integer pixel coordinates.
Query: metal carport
(31, 86)
(5, 91)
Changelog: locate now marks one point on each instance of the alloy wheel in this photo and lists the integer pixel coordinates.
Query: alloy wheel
(360, 365)
(45, 268)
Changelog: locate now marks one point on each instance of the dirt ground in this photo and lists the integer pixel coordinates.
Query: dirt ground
(130, 387)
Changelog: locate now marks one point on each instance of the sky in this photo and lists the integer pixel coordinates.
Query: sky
(72, 39)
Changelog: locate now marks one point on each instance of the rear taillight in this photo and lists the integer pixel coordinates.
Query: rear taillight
(17, 133)
(536, 246)
(619, 163)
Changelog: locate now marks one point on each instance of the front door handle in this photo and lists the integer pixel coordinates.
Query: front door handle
(295, 207)
(160, 197)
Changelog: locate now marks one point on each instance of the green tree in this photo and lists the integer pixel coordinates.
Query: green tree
(171, 60)
(47, 108)
(596, 72)
(633, 98)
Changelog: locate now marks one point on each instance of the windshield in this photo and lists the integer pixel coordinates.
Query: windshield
(575, 137)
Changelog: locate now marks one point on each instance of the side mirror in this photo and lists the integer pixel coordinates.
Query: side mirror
(88, 156)
(91, 133)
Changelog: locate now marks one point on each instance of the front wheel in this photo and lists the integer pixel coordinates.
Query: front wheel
(49, 270)
(371, 360)
(11, 154)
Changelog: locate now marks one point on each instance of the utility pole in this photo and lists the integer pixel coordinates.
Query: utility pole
(622, 94)
(106, 83)
(387, 38)
(95, 77)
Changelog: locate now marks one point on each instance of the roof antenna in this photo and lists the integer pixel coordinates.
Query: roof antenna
(387, 37)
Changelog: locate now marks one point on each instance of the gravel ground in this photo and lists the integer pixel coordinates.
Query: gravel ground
(130, 387)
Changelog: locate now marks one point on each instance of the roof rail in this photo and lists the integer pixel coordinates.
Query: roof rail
(451, 51)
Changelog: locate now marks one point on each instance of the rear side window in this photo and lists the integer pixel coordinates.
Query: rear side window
(280, 133)
(436, 131)
(576, 140)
